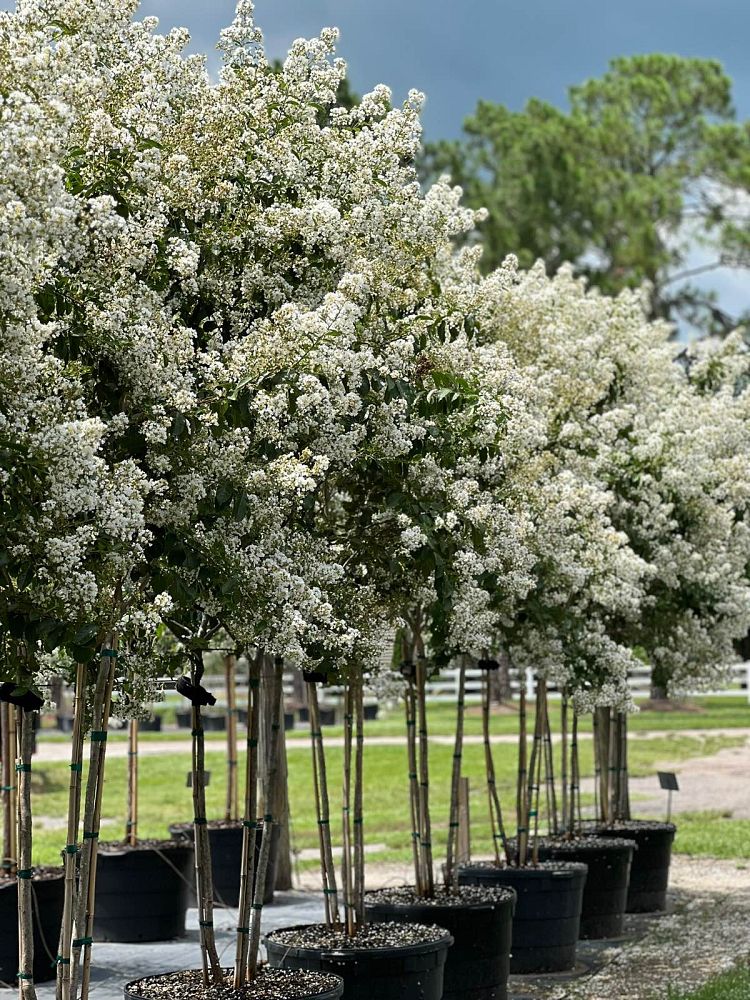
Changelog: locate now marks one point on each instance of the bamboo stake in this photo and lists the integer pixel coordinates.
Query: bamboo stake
(411, 750)
(549, 768)
(597, 764)
(532, 791)
(538, 779)
(8, 753)
(624, 811)
(268, 821)
(230, 809)
(322, 805)
(249, 822)
(425, 833)
(496, 815)
(359, 843)
(451, 870)
(203, 874)
(70, 853)
(575, 780)
(604, 764)
(346, 857)
(614, 763)
(96, 768)
(564, 761)
(521, 800)
(131, 825)
(26, 990)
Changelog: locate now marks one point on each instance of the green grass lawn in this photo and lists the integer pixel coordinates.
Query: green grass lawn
(734, 985)
(165, 798)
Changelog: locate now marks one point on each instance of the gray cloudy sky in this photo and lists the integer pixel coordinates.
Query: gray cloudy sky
(457, 51)
(504, 50)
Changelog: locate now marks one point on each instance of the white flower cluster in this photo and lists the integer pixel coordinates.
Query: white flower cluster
(246, 382)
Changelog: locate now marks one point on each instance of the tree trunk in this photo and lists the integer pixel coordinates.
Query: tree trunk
(268, 820)
(26, 990)
(85, 903)
(131, 824)
(249, 823)
(70, 854)
(230, 804)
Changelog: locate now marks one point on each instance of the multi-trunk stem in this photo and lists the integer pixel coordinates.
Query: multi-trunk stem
(249, 821)
(268, 819)
(353, 857)
(70, 853)
(212, 971)
(451, 868)
(499, 838)
(8, 753)
(131, 823)
(26, 989)
(322, 809)
(86, 896)
(231, 802)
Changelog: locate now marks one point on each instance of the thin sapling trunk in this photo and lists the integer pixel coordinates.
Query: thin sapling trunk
(230, 807)
(26, 990)
(499, 837)
(70, 853)
(268, 820)
(131, 823)
(322, 809)
(249, 822)
(10, 853)
(451, 869)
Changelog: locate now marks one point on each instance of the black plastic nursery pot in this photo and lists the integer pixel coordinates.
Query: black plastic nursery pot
(225, 839)
(370, 712)
(48, 887)
(152, 725)
(214, 723)
(480, 920)
(649, 874)
(547, 919)
(411, 970)
(289, 721)
(184, 718)
(188, 985)
(142, 892)
(606, 890)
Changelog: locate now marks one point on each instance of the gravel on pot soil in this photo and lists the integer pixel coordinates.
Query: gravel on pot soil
(389, 934)
(270, 984)
(120, 847)
(636, 824)
(465, 895)
(213, 824)
(585, 842)
(41, 874)
(528, 867)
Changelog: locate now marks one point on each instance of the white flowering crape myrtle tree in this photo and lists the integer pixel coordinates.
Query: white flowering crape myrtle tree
(626, 422)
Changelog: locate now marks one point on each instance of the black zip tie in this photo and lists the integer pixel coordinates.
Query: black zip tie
(71, 848)
(330, 892)
(257, 906)
(76, 767)
(268, 818)
(111, 653)
(411, 722)
(243, 930)
(250, 824)
(23, 975)
(132, 753)
(413, 774)
(275, 727)
(99, 736)
(26, 768)
(454, 825)
(357, 821)
(457, 756)
(200, 820)
(232, 761)
(81, 942)
(90, 834)
(62, 961)
(25, 872)
(252, 743)
(195, 732)
(323, 822)
(316, 734)
(205, 923)
(254, 682)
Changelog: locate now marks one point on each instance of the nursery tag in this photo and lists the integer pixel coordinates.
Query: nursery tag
(206, 779)
(668, 781)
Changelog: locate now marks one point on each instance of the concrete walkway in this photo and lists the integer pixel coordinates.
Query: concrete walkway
(59, 750)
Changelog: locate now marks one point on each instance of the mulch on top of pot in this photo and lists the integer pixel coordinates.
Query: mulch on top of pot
(41, 874)
(586, 841)
(270, 984)
(539, 866)
(464, 895)
(371, 937)
(119, 846)
(213, 824)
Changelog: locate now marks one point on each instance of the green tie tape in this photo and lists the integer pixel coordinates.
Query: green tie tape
(99, 736)
(111, 653)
